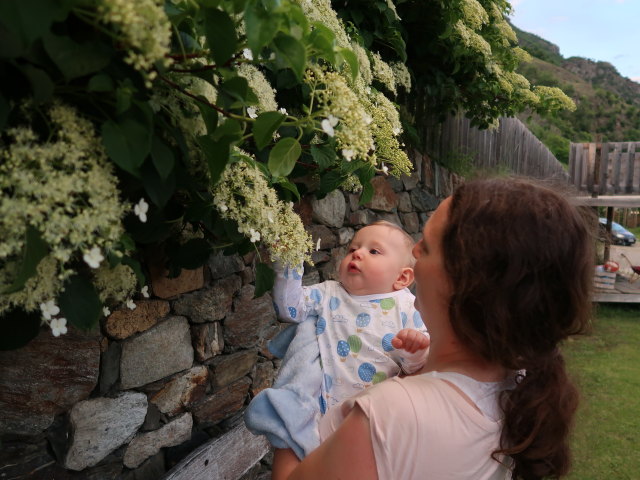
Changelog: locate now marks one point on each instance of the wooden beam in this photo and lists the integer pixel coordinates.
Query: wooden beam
(618, 201)
(616, 297)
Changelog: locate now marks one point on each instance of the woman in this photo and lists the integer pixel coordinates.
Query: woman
(503, 272)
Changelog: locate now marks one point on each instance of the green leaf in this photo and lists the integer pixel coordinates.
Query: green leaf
(190, 255)
(221, 35)
(265, 126)
(32, 18)
(324, 155)
(365, 174)
(238, 89)
(5, 108)
(217, 154)
(293, 52)
(261, 26)
(330, 181)
(162, 156)
(229, 128)
(18, 328)
(100, 83)
(283, 156)
(76, 59)
(40, 81)
(265, 277)
(210, 116)
(291, 187)
(323, 41)
(159, 190)
(35, 249)
(137, 269)
(351, 60)
(127, 142)
(79, 303)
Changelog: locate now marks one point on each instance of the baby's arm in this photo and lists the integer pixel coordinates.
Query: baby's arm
(288, 294)
(415, 346)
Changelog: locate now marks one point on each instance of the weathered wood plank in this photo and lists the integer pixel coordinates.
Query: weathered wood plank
(224, 458)
(630, 168)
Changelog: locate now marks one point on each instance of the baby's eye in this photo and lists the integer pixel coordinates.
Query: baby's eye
(351, 250)
(374, 251)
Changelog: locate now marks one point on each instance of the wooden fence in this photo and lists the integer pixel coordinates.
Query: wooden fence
(611, 168)
(510, 147)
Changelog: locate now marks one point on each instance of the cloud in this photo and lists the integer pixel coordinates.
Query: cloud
(635, 79)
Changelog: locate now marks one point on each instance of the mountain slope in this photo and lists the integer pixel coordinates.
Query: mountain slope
(608, 104)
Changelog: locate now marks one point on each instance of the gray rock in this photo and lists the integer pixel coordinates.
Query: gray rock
(329, 210)
(423, 201)
(101, 425)
(404, 202)
(222, 403)
(411, 222)
(263, 375)
(362, 217)
(110, 367)
(207, 340)
(151, 469)
(144, 445)
(243, 328)
(45, 378)
(384, 198)
(330, 269)
(222, 266)
(395, 183)
(410, 181)
(228, 368)
(211, 303)
(311, 276)
(345, 235)
(140, 363)
(324, 234)
(182, 391)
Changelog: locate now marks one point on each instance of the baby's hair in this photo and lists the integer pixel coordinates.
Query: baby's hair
(408, 241)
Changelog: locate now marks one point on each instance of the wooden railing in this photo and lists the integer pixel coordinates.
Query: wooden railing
(510, 147)
(611, 168)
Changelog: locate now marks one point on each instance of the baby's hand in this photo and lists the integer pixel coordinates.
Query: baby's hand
(410, 340)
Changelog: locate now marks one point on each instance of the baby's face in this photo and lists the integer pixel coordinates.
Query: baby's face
(375, 259)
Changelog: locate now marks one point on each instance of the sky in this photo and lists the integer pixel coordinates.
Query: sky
(601, 30)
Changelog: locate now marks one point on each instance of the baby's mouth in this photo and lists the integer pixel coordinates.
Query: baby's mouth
(352, 268)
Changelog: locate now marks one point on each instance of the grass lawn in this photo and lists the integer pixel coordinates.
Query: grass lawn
(606, 366)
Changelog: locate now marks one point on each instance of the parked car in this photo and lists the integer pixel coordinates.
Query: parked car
(619, 234)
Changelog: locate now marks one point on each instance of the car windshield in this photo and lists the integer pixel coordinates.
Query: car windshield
(616, 227)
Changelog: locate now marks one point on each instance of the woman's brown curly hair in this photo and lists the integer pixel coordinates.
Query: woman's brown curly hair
(520, 258)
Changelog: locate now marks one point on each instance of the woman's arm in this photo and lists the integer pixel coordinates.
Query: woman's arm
(347, 453)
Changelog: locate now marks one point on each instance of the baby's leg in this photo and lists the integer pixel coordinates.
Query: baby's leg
(284, 462)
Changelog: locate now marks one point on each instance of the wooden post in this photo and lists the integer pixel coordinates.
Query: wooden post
(607, 238)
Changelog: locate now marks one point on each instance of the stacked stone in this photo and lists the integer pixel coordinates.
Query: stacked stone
(171, 378)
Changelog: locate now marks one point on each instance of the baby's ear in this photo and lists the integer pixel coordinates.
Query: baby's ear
(405, 279)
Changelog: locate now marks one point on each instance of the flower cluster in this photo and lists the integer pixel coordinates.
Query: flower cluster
(474, 14)
(244, 196)
(383, 73)
(144, 29)
(471, 39)
(260, 86)
(65, 189)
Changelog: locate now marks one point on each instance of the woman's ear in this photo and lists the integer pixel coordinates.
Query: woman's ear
(405, 279)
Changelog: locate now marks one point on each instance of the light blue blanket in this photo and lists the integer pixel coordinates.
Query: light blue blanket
(288, 413)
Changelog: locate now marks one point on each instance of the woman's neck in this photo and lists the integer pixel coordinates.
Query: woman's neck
(456, 358)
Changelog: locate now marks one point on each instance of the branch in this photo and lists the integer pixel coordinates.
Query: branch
(197, 99)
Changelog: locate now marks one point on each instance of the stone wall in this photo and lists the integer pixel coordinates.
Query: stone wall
(174, 374)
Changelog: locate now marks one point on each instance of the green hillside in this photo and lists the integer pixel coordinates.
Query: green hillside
(608, 104)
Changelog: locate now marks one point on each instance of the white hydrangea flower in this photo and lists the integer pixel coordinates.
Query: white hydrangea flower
(49, 309)
(141, 209)
(58, 326)
(254, 235)
(131, 305)
(105, 311)
(385, 169)
(283, 111)
(252, 112)
(247, 53)
(348, 154)
(145, 291)
(93, 257)
(328, 129)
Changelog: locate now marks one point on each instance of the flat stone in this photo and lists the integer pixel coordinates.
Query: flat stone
(110, 367)
(389, 217)
(410, 181)
(19, 459)
(319, 257)
(222, 404)
(165, 287)
(362, 217)
(324, 234)
(140, 363)
(243, 327)
(311, 276)
(44, 378)
(207, 340)
(384, 198)
(247, 275)
(228, 368)
(123, 323)
(329, 210)
(209, 304)
(305, 210)
(222, 266)
(423, 201)
(151, 469)
(263, 376)
(101, 425)
(345, 235)
(411, 222)
(329, 270)
(145, 445)
(395, 183)
(182, 392)
(428, 174)
(404, 202)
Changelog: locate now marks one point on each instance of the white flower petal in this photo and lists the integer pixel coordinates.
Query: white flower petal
(131, 305)
(333, 120)
(248, 54)
(145, 291)
(252, 112)
(326, 126)
(105, 311)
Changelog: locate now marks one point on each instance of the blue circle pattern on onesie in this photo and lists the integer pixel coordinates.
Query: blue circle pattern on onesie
(417, 320)
(315, 295)
(334, 303)
(366, 372)
(363, 319)
(404, 318)
(343, 349)
(386, 342)
(320, 326)
(292, 312)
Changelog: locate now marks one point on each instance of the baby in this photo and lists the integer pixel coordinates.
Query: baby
(350, 334)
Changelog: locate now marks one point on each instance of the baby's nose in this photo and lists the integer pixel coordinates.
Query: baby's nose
(357, 253)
